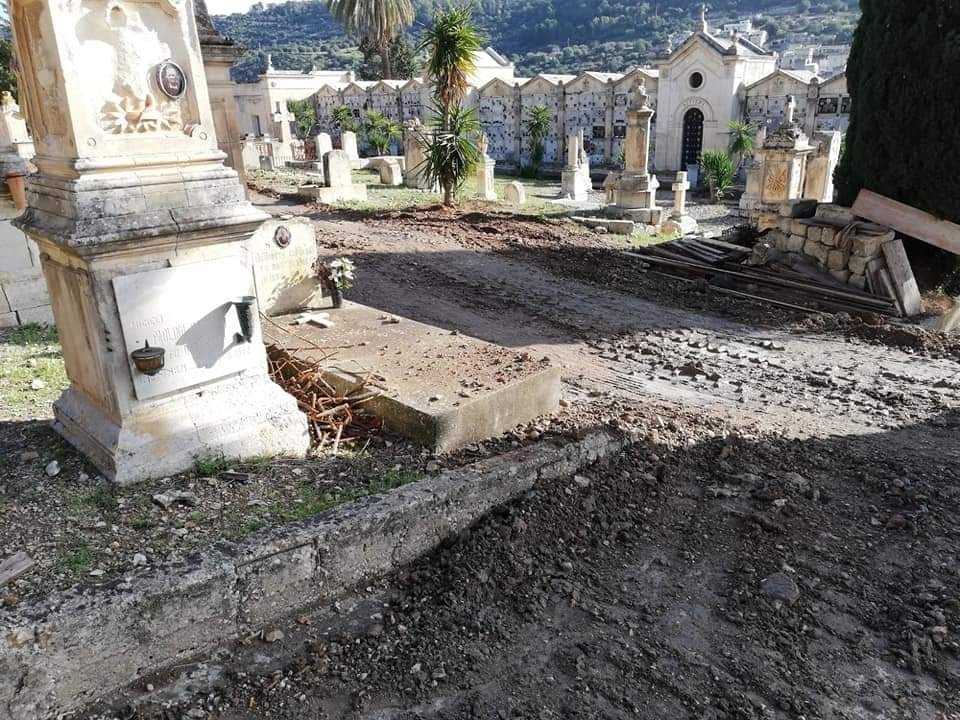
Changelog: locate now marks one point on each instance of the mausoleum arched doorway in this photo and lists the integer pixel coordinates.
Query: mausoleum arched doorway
(692, 143)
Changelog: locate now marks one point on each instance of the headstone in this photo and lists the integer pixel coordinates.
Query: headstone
(120, 93)
(485, 172)
(575, 179)
(680, 222)
(348, 143)
(414, 136)
(323, 143)
(821, 166)
(284, 252)
(391, 174)
(337, 169)
(901, 274)
(515, 194)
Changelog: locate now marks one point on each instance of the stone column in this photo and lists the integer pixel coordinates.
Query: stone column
(219, 55)
(485, 172)
(140, 229)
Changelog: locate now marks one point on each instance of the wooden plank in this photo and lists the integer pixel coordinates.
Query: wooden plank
(13, 567)
(908, 220)
(878, 304)
(904, 283)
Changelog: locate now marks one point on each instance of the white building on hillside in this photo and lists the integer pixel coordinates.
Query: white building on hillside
(700, 93)
(262, 106)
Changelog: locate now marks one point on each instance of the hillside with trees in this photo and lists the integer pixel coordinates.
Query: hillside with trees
(539, 35)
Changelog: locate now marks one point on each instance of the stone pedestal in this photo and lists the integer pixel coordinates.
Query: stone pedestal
(821, 165)
(485, 186)
(140, 230)
(635, 189)
(575, 182)
(23, 292)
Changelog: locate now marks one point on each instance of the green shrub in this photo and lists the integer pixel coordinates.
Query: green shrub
(719, 170)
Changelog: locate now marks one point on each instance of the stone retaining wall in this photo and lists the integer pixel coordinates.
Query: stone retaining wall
(64, 651)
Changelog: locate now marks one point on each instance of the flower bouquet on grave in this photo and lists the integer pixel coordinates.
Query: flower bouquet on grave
(336, 276)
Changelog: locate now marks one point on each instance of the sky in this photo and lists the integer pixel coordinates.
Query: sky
(226, 7)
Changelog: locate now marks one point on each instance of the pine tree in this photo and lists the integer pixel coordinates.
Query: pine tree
(903, 141)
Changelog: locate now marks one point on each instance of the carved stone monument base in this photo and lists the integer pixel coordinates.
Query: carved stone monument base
(683, 225)
(637, 191)
(575, 184)
(485, 174)
(241, 417)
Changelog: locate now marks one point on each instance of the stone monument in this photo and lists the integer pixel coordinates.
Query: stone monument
(338, 185)
(141, 231)
(575, 181)
(414, 137)
(348, 143)
(23, 292)
(635, 188)
(219, 55)
(680, 221)
(781, 173)
(515, 193)
(485, 169)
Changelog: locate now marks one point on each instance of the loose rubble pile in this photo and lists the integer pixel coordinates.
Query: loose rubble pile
(707, 573)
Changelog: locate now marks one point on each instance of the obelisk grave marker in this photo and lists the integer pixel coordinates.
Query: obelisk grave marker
(140, 229)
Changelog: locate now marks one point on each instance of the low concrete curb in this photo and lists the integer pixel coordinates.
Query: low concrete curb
(64, 651)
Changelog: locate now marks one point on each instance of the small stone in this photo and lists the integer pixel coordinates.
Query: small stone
(83, 477)
(433, 466)
(581, 481)
(436, 398)
(37, 384)
(416, 669)
(139, 559)
(272, 636)
(781, 586)
(53, 468)
(164, 500)
(98, 572)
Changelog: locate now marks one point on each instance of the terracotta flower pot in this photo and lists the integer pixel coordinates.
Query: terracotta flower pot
(18, 189)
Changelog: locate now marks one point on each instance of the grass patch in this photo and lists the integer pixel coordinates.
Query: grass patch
(32, 374)
(209, 465)
(33, 334)
(103, 497)
(642, 239)
(78, 559)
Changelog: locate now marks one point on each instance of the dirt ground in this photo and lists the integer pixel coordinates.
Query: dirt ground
(781, 543)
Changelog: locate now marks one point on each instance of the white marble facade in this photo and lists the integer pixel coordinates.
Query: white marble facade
(697, 88)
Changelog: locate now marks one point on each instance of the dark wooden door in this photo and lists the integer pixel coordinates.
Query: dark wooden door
(692, 137)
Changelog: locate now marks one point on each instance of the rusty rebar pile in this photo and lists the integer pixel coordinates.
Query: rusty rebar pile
(331, 416)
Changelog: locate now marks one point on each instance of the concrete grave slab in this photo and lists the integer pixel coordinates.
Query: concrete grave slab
(441, 389)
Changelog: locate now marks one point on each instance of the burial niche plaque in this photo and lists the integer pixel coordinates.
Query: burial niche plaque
(188, 311)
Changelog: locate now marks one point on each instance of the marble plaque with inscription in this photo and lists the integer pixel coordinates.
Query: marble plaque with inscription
(284, 252)
(186, 310)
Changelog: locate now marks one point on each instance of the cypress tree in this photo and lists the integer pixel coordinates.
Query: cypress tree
(904, 135)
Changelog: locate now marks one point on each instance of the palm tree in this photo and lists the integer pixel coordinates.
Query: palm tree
(538, 126)
(451, 154)
(451, 43)
(381, 130)
(451, 150)
(741, 139)
(379, 21)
